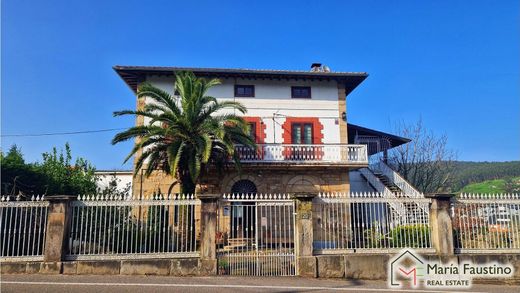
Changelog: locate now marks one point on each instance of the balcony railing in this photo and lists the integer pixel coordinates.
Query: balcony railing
(308, 153)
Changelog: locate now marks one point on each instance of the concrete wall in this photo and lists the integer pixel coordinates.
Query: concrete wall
(358, 183)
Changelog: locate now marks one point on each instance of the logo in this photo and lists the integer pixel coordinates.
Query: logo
(407, 265)
(410, 269)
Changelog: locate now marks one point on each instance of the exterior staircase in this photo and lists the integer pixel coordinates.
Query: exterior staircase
(391, 184)
(387, 182)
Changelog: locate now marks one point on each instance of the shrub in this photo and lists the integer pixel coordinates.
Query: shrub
(413, 236)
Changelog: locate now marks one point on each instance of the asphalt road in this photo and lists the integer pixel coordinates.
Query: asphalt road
(140, 284)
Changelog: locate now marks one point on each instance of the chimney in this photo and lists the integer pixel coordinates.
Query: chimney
(316, 67)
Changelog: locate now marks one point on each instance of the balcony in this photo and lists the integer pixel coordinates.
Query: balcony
(342, 154)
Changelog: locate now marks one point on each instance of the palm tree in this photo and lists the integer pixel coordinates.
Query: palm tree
(185, 134)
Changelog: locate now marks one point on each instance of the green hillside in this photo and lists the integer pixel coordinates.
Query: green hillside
(484, 175)
(509, 185)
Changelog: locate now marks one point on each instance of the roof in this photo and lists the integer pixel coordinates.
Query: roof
(394, 140)
(133, 75)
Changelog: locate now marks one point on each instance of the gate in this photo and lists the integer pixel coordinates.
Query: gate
(256, 235)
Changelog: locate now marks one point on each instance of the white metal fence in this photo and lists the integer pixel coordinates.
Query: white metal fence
(255, 235)
(357, 222)
(104, 227)
(486, 222)
(23, 225)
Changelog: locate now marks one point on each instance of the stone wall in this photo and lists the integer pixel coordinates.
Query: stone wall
(173, 267)
(276, 180)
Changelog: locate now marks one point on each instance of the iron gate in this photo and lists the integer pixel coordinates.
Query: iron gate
(256, 235)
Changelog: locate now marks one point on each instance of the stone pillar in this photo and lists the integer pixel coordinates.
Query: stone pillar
(440, 221)
(58, 223)
(307, 266)
(208, 229)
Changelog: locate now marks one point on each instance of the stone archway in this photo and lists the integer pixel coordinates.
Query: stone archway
(230, 181)
(304, 183)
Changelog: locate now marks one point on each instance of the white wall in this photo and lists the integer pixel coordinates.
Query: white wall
(104, 178)
(275, 97)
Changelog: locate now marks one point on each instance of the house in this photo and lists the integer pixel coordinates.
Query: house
(299, 120)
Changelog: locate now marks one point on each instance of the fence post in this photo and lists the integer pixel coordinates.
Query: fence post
(208, 229)
(57, 229)
(307, 266)
(440, 221)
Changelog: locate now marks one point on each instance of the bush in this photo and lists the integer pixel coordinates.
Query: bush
(56, 174)
(413, 236)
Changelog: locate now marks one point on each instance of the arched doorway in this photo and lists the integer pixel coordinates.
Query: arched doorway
(243, 213)
(244, 186)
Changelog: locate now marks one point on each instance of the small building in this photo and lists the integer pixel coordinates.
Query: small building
(121, 178)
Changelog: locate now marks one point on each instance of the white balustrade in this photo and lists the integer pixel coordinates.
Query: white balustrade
(301, 153)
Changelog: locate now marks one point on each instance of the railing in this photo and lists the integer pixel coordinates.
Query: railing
(23, 226)
(406, 188)
(384, 191)
(298, 153)
(114, 227)
(485, 223)
(360, 222)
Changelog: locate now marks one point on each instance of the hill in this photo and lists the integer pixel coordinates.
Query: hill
(509, 185)
(490, 176)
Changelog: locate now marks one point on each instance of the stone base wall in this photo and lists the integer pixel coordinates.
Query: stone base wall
(353, 266)
(374, 266)
(294, 180)
(172, 267)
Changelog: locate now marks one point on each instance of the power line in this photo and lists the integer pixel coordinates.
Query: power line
(62, 133)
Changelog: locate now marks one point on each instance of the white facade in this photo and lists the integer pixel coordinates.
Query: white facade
(123, 179)
(273, 103)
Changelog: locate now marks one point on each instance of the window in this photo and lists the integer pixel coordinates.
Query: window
(252, 130)
(301, 92)
(301, 133)
(244, 90)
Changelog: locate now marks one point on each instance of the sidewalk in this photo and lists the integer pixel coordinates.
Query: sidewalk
(140, 284)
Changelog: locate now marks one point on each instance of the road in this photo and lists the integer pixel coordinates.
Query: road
(141, 284)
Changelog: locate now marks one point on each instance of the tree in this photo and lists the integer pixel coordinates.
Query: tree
(187, 133)
(55, 175)
(64, 177)
(17, 176)
(425, 162)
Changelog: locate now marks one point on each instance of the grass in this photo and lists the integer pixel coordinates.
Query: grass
(494, 186)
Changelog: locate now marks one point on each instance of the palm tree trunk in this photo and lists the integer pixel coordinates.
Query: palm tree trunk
(186, 215)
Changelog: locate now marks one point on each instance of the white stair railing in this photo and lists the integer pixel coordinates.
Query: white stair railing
(407, 189)
(399, 208)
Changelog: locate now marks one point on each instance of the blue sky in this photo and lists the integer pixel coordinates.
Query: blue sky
(455, 64)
